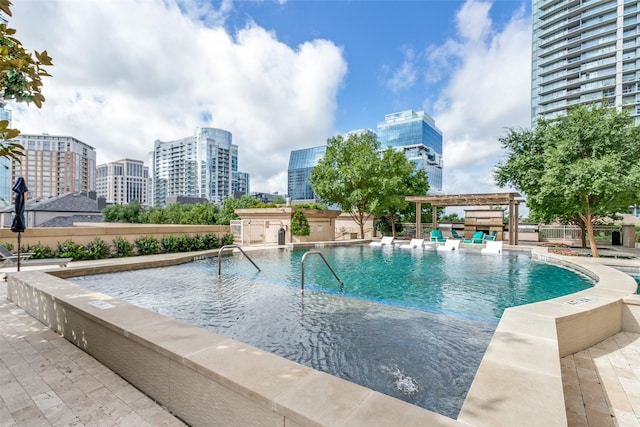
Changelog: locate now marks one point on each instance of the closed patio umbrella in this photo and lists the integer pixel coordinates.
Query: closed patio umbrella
(19, 223)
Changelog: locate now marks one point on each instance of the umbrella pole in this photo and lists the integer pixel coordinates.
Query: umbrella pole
(19, 250)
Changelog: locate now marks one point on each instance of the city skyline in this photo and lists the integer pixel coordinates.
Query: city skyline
(281, 76)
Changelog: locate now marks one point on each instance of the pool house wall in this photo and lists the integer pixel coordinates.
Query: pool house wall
(204, 378)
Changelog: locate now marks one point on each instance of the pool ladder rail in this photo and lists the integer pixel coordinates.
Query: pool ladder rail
(232, 246)
(323, 259)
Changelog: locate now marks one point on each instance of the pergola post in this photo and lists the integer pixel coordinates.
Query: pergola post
(418, 220)
(434, 217)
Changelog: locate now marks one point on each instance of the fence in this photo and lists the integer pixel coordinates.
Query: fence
(572, 233)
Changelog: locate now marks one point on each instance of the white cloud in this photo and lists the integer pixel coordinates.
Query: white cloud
(488, 90)
(125, 75)
(405, 76)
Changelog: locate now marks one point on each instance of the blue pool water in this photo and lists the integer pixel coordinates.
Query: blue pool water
(410, 324)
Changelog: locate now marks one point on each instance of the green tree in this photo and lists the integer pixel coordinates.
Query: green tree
(398, 177)
(348, 176)
(581, 167)
(132, 213)
(299, 224)
(21, 75)
(227, 213)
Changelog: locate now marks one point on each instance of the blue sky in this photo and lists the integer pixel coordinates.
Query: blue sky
(280, 75)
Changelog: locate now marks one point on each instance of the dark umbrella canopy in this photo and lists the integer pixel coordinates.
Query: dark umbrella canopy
(20, 188)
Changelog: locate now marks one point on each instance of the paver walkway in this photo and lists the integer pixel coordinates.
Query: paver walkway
(47, 381)
(602, 383)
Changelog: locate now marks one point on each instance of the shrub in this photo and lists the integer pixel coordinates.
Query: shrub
(181, 243)
(211, 241)
(70, 249)
(227, 239)
(98, 249)
(123, 247)
(8, 245)
(40, 251)
(299, 224)
(198, 243)
(147, 245)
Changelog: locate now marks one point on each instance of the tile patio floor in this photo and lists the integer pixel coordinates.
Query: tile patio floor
(47, 381)
(602, 383)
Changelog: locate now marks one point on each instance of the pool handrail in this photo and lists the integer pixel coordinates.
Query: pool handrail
(233, 246)
(325, 261)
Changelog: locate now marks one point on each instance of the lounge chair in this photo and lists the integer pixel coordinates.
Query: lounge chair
(10, 260)
(476, 239)
(492, 247)
(436, 236)
(386, 240)
(449, 245)
(414, 243)
(491, 237)
(455, 234)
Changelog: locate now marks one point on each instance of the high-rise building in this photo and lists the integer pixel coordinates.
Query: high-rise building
(55, 165)
(585, 51)
(240, 184)
(301, 162)
(202, 165)
(123, 181)
(416, 134)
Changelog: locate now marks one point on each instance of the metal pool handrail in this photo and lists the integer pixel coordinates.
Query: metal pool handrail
(325, 261)
(233, 246)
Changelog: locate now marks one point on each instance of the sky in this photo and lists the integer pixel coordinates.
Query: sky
(280, 75)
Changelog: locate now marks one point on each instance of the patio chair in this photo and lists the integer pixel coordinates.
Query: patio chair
(436, 236)
(449, 245)
(386, 240)
(414, 243)
(455, 234)
(492, 247)
(491, 237)
(476, 239)
(10, 260)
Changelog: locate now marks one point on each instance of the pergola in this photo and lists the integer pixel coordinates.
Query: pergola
(493, 199)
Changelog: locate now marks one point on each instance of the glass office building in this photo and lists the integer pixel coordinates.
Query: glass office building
(416, 134)
(123, 181)
(585, 51)
(301, 163)
(202, 165)
(55, 165)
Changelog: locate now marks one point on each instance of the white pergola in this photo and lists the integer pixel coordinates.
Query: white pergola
(492, 199)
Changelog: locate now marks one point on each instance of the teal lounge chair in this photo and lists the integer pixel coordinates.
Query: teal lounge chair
(477, 238)
(436, 236)
(455, 234)
(491, 236)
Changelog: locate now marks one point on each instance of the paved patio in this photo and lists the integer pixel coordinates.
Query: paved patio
(47, 381)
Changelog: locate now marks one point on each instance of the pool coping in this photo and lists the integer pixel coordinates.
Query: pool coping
(521, 364)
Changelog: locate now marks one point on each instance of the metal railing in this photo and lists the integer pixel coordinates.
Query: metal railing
(232, 246)
(573, 233)
(325, 261)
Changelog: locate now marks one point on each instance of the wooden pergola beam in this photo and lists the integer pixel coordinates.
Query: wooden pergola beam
(489, 199)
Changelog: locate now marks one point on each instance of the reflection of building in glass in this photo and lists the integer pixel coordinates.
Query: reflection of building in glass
(123, 181)
(55, 165)
(301, 162)
(416, 134)
(584, 52)
(202, 165)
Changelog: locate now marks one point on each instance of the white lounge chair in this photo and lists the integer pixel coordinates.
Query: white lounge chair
(414, 243)
(386, 240)
(449, 245)
(492, 247)
(11, 260)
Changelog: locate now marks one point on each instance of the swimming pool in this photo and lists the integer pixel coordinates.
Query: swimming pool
(422, 350)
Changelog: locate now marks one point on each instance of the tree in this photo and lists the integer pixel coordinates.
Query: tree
(227, 213)
(21, 79)
(300, 224)
(399, 177)
(580, 167)
(348, 176)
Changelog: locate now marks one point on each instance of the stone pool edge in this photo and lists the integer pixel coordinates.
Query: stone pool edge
(200, 376)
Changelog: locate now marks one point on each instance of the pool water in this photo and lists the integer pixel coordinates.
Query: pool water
(401, 323)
